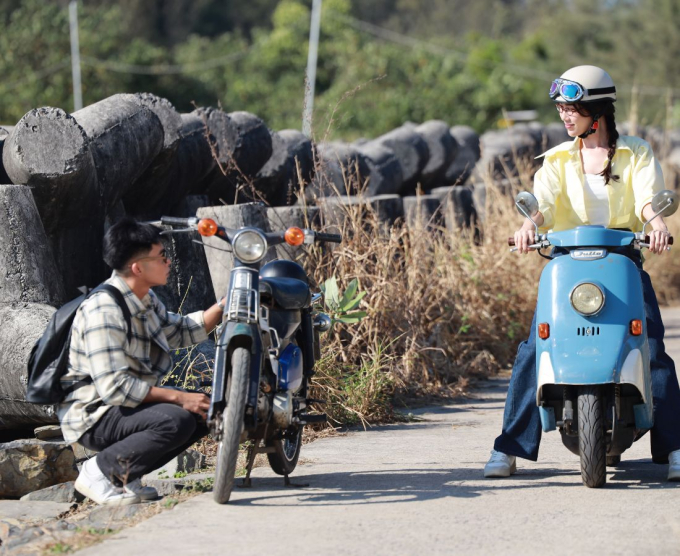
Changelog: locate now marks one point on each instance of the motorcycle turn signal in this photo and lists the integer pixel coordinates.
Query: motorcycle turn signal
(294, 236)
(207, 227)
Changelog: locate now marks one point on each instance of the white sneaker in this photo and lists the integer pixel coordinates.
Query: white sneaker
(500, 465)
(674, 466)
(144, 492)
(91, 482)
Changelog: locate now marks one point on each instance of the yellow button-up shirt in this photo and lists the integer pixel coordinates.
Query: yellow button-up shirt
(559, 184)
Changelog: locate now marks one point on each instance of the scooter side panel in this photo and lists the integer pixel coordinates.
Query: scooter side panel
(589, 350)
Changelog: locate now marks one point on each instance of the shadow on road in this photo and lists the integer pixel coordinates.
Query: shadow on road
(414, 485)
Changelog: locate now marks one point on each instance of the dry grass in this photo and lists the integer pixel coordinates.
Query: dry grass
(442, 307)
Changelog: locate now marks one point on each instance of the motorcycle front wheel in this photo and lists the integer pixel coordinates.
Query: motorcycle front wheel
(286, 453)
(232, 425)
(591, 437)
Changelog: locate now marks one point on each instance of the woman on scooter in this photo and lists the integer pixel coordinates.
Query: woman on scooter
(599, 178)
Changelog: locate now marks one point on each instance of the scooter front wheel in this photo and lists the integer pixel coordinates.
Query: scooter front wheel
(232, 425)
(591, 437)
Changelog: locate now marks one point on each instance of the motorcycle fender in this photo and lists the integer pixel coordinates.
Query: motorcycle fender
(237, 334)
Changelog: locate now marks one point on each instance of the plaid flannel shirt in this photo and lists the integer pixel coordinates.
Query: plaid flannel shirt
(112, 371)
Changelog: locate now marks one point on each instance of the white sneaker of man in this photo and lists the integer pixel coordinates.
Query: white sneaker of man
(674, 466)
(500, 465)
(91, 482)
(144, 492)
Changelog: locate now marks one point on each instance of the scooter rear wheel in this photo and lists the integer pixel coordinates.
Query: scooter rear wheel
(232, 425)
(591, 437)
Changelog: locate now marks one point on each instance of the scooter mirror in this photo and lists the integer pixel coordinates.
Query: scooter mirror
(526, 204)
(665, 202)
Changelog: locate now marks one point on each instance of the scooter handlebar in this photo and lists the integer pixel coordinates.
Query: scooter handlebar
(670, 240)
(511, 241)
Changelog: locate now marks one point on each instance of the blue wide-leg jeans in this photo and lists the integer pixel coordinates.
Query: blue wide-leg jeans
(521, 433)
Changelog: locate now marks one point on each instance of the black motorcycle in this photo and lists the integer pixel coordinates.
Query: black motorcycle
(268, 345)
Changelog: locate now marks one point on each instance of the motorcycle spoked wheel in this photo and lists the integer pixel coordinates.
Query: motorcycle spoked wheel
(232, 425)
(591, 437)
(286, 453)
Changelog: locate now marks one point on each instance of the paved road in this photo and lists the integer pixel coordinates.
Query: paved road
(418, 489)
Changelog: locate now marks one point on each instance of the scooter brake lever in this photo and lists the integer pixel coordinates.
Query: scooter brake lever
(537, 246)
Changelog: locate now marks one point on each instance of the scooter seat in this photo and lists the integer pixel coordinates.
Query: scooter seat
(286, 293)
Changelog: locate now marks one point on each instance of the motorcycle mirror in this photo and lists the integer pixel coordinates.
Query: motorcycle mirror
(665, 203)
(526, 204)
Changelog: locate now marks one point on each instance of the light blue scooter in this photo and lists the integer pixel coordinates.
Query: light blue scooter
(592, 355)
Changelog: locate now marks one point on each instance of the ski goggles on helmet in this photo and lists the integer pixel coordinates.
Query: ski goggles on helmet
(571, 91)
(568, 90)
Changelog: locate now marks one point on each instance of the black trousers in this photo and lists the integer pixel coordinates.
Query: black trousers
(133, 441)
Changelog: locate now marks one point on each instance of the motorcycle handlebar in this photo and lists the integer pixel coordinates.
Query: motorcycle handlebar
(332, 238)
(176, 221)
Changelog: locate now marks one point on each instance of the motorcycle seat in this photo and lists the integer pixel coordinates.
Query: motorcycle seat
(286, 293)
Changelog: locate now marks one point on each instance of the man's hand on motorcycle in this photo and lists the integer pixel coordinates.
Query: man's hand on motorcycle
(195, 403)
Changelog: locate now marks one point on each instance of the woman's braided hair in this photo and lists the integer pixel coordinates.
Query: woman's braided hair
(597, 110)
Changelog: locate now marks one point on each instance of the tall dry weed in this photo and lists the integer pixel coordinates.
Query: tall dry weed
(442, 304)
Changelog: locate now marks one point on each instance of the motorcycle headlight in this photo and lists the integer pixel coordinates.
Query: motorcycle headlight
(249, 246)
(587, 299)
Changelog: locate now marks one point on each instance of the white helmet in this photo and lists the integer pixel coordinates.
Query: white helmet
(583, 84)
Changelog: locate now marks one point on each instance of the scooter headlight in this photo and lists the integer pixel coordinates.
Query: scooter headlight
(587, 299)
(249, 246)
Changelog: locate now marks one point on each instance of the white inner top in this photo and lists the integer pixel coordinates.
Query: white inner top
(597, 200)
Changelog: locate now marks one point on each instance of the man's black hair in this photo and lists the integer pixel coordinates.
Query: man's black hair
(128, 239)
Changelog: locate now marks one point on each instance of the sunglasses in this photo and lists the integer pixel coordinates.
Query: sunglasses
(163, 257)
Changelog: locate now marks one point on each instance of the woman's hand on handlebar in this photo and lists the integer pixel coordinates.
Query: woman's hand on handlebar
(658, 239)
(524, 237)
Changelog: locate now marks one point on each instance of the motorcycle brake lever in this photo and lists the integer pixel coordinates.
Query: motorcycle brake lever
(177, 231)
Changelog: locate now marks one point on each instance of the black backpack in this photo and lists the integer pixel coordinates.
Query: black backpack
(48, 361)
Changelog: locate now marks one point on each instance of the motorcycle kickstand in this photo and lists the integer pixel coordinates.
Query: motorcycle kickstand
(252, 452)
(286, 482)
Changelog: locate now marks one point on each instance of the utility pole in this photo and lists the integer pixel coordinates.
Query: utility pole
(75, 55)
(311, 68)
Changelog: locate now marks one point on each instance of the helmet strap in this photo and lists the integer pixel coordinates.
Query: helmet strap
(593, 127)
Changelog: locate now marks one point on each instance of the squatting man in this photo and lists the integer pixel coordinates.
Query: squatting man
(119, 409)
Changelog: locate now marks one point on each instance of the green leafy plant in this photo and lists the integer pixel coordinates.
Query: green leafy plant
(341, 306)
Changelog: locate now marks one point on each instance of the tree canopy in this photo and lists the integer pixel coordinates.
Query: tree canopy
(380, 63)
